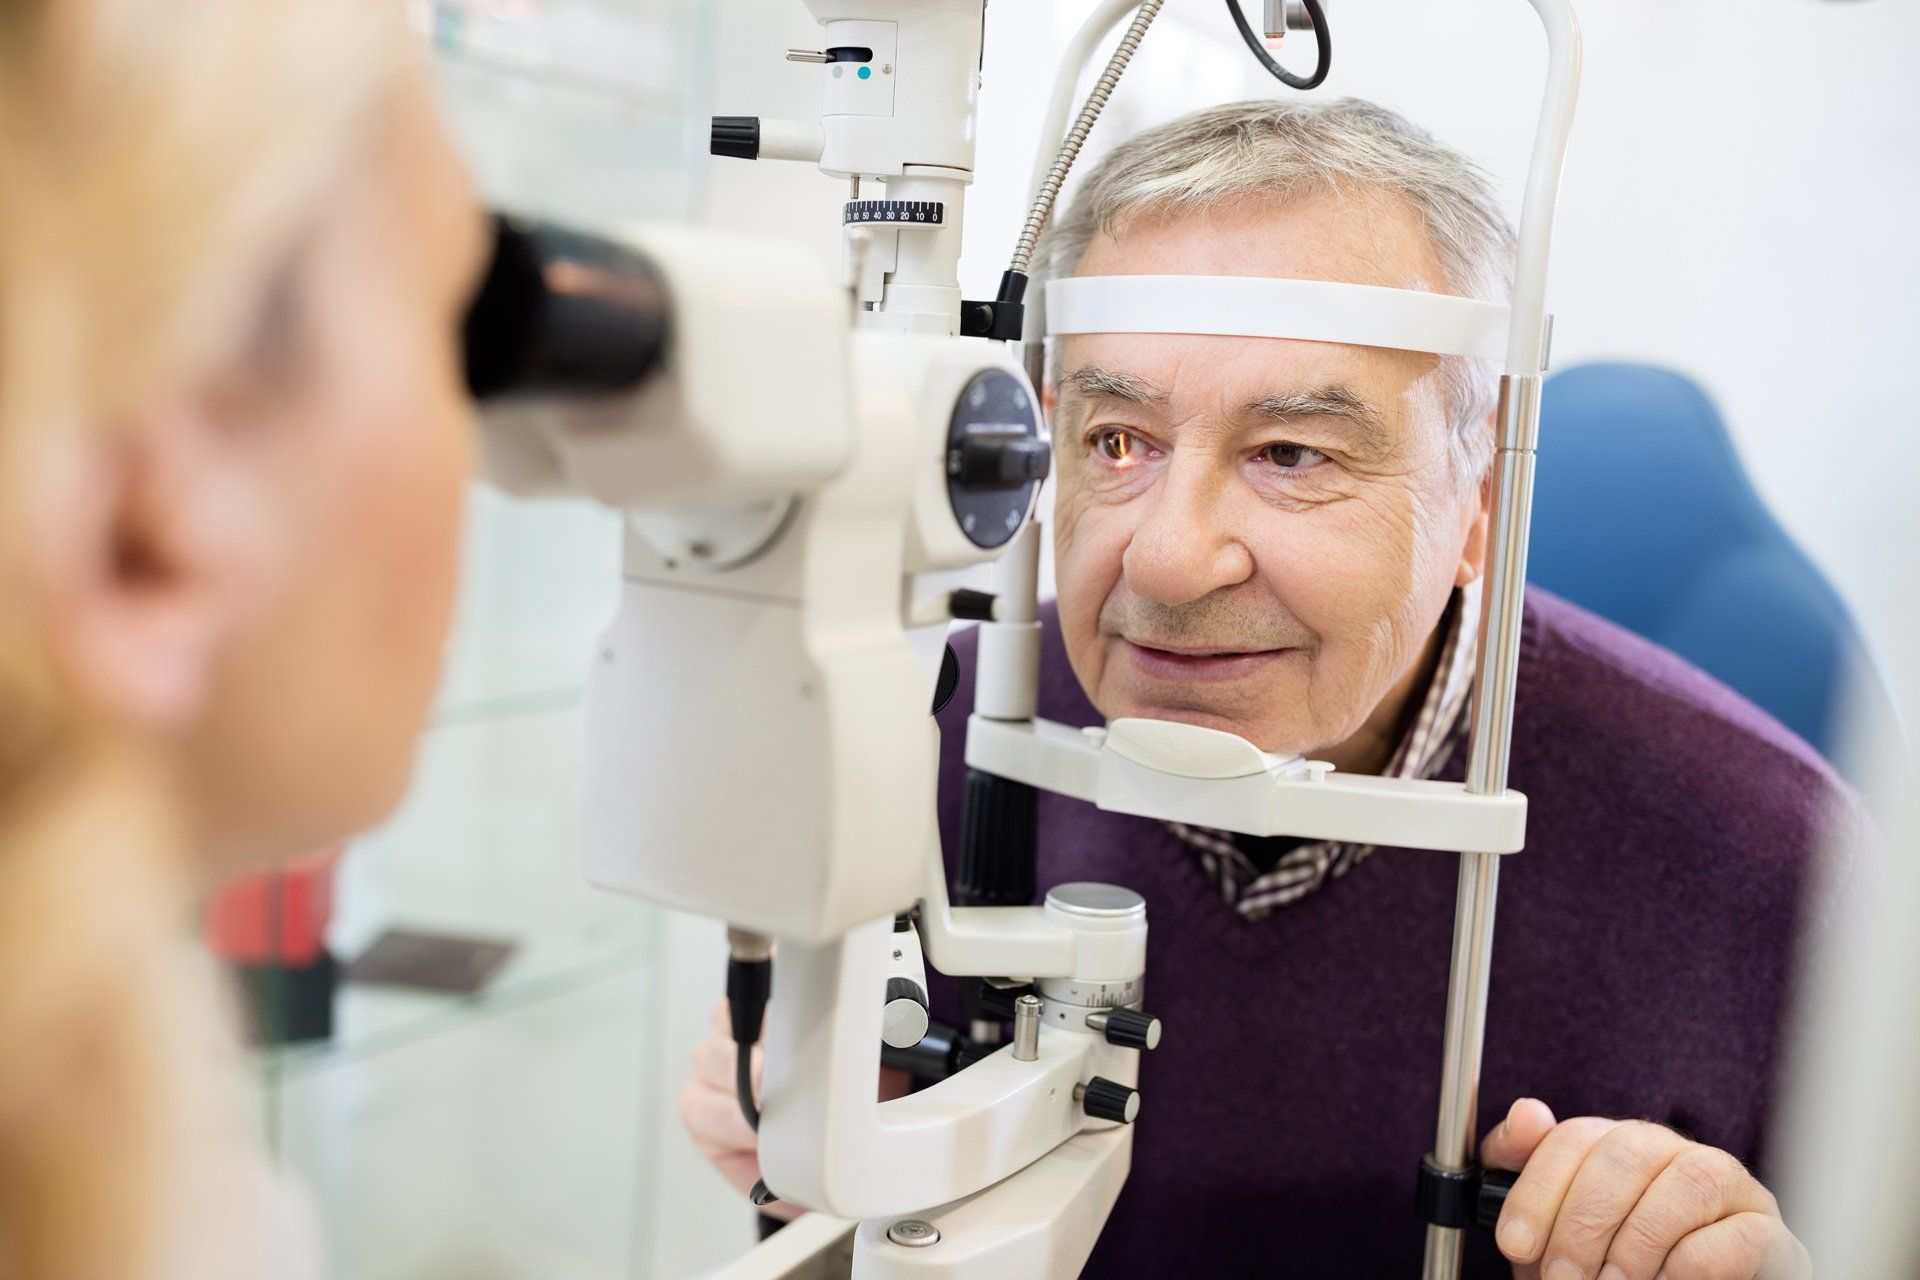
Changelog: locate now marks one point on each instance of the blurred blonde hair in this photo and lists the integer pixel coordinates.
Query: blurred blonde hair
(158, 160)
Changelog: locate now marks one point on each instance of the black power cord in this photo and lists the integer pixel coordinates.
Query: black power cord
(749, 984)
(743, 1085)
(1321, 38)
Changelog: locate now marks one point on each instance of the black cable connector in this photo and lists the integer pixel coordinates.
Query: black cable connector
(1004, 318)
(1323, 40)
(749, 984)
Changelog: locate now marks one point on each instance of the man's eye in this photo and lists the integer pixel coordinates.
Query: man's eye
(1116, 445)
(1292, 457)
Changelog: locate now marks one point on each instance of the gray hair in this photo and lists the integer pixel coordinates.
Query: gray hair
(1286, 149)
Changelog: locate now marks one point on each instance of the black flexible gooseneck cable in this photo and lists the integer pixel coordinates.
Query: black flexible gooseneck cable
(1321, 38)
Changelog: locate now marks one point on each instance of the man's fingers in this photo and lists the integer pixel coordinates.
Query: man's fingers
(1698, 1188)
(712, 1117)
(1527, 1121)
(710, 1109)
(1617, 1171)
(713, 1061)
(1542, 1186)
(1746, 1246)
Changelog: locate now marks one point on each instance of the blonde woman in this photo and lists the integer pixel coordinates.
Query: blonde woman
(234, 250)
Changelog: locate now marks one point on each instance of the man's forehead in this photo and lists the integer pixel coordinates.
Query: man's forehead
(1351, 238)
(1188, 371)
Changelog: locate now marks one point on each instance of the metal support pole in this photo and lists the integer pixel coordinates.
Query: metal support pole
(1501, 609)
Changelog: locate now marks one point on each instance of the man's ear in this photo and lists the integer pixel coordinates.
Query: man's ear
(141, 558)
(1478, 516)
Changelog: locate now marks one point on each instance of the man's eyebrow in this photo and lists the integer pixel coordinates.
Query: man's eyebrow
(1089, 380)
(1369, 426)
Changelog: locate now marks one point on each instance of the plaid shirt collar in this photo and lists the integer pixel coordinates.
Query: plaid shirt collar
(1436, 730)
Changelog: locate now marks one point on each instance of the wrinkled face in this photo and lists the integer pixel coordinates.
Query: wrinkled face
(358, 451)
(1259, 535)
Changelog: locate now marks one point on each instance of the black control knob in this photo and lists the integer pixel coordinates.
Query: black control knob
(996, 460)
(1129, 1028)
(1104, 1100)
(736, 136)
(903, 1022)
(996, 456)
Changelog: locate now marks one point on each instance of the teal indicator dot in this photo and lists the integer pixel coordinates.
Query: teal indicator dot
(866, 73)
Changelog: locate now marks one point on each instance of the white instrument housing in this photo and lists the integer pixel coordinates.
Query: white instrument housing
(760, 746)
(754, 402)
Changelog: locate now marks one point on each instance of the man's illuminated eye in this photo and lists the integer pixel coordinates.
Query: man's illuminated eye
(1116, 445)
(1291, 457)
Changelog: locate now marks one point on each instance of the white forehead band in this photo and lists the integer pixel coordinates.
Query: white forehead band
(1265, 307)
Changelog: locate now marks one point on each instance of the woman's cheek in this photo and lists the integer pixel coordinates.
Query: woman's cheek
(437, 486)
(414, 457)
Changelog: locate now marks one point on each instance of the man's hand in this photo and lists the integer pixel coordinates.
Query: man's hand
(710, 1109)
(1628, 1200)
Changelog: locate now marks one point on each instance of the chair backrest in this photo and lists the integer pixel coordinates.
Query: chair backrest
(1643, 514)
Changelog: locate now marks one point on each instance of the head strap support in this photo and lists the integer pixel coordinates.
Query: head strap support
(1267, 307)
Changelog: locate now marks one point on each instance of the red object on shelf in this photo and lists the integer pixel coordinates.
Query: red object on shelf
(276, 916)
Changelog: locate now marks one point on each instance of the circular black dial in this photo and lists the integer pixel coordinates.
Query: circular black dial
(996, 457)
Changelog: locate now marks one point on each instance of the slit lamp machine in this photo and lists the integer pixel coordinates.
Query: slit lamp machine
(760, 744)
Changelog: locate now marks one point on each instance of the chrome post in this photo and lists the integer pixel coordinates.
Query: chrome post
(1501, 609)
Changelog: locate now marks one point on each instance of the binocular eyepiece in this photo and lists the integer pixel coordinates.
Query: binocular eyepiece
(561, 313)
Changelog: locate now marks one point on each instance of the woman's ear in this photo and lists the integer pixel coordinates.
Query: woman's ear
(139, 554)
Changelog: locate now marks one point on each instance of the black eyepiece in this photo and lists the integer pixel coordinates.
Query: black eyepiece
(561, 313)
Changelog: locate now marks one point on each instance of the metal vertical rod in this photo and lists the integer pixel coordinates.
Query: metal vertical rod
(1026, 1029)
(1501, 612)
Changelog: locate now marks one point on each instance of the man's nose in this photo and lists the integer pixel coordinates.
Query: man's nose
(1186, 545)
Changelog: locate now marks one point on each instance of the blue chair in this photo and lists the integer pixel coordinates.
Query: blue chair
(1643, 514)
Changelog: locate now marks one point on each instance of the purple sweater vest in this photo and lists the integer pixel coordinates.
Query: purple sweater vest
(1641, 963)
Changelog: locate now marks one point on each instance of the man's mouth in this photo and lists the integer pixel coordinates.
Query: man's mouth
(1197, 662)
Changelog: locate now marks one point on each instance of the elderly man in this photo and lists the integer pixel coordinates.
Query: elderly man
(1284, 539)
